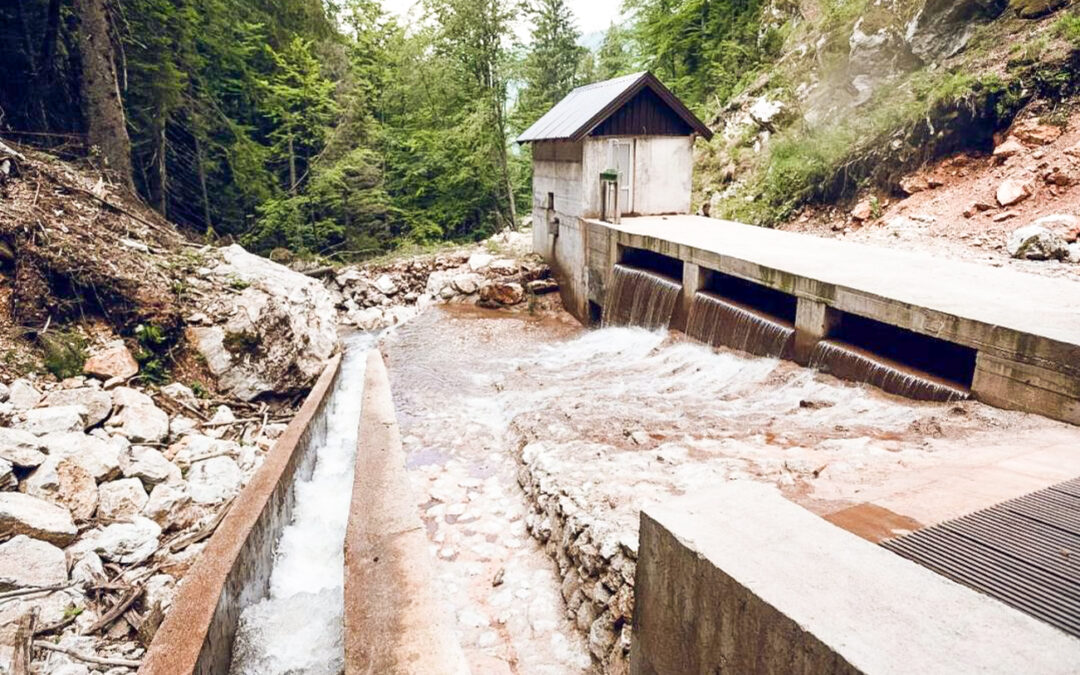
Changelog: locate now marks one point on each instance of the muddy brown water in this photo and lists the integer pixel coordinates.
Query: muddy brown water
(621, 418)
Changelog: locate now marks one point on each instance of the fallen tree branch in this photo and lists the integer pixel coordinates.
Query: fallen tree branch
(86, 658)
(206, 531)
(30, 590)
(126, 600)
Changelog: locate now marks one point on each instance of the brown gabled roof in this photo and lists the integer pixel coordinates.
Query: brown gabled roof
(585, 108)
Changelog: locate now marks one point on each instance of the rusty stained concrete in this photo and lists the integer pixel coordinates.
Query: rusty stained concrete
(234, 568)
(395, 620)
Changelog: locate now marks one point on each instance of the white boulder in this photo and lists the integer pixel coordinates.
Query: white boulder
(1035, 242)
(197, 447)
(275, 335)
(66, 483)
(31, 562)
(22, 395)
(137, 418)
(214, 480)
(480, 261)
(149, 466)
(41, 421)
(99, 456)
(98, 403)
(121, 499)
(167, 505)
(37, 518)
(126, 543)
(21, 448)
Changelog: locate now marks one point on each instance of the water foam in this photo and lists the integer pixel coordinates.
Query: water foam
(298, 627)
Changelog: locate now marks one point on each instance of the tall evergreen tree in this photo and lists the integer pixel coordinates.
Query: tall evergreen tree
(106, 121)
(552, 66)
(616, 54)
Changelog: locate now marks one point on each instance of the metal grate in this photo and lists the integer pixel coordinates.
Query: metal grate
(1024, 552)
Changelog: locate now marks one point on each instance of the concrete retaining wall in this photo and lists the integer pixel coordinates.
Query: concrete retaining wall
(740, 580)
(395, 622)
(233, 571)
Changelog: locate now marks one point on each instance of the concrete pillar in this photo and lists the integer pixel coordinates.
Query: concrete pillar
(693, 279)
(814, 321)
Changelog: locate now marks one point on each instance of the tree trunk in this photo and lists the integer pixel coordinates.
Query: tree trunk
(104, 109)
(505, 162)
(292, 166)
(163, 173)
(202, 182)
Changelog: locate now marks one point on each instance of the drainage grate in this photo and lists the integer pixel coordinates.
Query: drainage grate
(1024, 552)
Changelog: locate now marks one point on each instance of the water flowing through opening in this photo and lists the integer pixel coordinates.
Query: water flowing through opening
(298, 627)
(775, 305)
(639, 297)
(720, 322)
(850, 362)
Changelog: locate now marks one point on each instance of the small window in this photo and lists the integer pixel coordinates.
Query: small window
(551, 201)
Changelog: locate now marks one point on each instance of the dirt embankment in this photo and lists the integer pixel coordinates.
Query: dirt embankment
(971, 206)
(142, 379)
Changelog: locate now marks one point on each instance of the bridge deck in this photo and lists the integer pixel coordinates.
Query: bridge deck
(1003, 297)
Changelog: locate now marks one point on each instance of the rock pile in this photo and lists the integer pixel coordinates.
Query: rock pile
(373, 297)
(596, 561)
(261, 327)
(106, 493)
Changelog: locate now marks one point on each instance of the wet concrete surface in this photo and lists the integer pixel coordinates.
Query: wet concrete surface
(609, 421)
(502, 588)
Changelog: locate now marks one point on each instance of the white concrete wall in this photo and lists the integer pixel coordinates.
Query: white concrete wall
(556, 170)
(663, 169)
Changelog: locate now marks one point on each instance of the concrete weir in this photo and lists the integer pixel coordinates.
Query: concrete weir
(1009, 339)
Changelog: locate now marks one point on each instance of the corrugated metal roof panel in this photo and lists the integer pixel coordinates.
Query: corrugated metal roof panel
(587, 106)
(577, 108)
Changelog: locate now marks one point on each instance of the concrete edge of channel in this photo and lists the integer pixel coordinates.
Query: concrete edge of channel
(740, 578)
(395, 621)
(234, 568)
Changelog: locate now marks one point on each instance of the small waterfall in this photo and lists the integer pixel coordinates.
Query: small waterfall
(638, 297)
(850, 362)
(723, 323)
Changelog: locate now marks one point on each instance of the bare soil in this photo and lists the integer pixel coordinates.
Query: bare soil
(958, 215)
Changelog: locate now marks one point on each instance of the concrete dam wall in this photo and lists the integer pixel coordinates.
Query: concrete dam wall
(910, 324)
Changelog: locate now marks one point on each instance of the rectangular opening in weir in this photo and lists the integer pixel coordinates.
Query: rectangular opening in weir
(777, 304)
(654, 262)
(731, 312)
(939, 358)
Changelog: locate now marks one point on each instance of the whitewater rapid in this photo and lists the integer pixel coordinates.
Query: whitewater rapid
(298, 627)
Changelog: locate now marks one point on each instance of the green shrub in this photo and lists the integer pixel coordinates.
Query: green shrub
(1068, 27)
(65, 353)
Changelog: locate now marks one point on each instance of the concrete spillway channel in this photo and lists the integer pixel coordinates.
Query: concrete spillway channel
(320, 565)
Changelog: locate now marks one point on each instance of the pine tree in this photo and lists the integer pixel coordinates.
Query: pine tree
(106, 121)
(615, 56)
(551, 68)
(300, 104)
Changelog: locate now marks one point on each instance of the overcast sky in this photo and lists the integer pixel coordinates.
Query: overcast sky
(592, 15)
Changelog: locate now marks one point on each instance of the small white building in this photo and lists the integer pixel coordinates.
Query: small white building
(630, 132)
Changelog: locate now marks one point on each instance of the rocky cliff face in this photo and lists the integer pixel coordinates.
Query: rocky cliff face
(865, 93)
